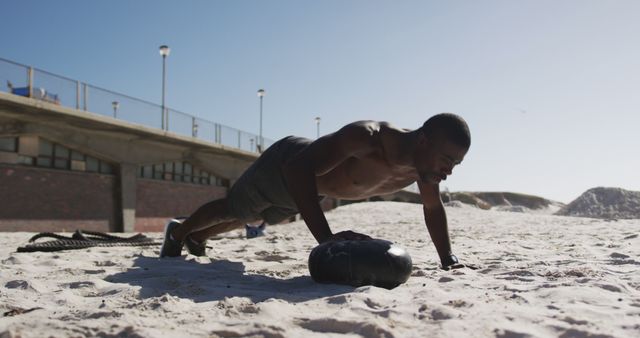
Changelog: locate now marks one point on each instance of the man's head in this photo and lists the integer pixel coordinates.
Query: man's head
(442, 143)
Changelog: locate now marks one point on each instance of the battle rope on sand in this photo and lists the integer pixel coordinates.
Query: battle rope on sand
(84, 239)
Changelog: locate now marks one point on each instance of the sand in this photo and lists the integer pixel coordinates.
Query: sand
(539, 275)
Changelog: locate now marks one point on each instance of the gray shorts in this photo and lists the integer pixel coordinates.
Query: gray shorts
(261, 192)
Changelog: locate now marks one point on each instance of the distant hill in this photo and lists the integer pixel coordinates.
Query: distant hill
(504, 201)
(608, 203)
(507, 201)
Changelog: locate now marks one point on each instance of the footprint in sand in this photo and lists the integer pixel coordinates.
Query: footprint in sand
(635, 285)
(519, 275)
(621, 259)
(104, 314)
(13, 260)
(241, 249)
(371, 304)
(568, 333)
(441, 314)
(331, 325)
(258, 330)
(417, 272)
(79, 285)
(342, 299)
(609, 287)
(458, 303)
(581, 272)
(17, 284)
(249, 308)
(514, 297)
(271, 257)
(573, 321)
(510, 334)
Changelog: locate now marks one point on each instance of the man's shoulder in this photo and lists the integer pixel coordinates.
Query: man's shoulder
(363, 124)
(369, 134)
(372, 127)
(360, 130)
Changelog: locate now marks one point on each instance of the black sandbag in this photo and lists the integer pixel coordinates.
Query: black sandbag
(366, 262)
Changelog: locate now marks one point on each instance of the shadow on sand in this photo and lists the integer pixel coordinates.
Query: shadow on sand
(210, 281)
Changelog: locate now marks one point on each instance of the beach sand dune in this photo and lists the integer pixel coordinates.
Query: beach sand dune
(538, 276)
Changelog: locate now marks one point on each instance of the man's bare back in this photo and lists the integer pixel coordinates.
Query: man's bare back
(376, 171)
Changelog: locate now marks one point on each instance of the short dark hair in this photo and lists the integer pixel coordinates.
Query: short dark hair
(450, 126)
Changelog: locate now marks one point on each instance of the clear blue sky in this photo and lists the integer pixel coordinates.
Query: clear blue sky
(550, 89)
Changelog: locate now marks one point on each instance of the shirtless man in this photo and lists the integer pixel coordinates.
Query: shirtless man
(360, 160)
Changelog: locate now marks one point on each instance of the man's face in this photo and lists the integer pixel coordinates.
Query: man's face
(435, 158)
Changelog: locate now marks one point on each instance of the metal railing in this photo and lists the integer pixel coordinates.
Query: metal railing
(31, 82)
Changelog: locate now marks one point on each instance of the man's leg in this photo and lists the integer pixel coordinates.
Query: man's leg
(214, 230)
(211, 214)
(196, 242)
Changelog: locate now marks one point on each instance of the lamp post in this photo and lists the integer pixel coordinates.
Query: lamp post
(115, 105)
(260, 142)
(317, 127)
(194, 127)
(164, 51)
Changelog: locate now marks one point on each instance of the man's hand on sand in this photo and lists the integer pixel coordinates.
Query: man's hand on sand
(349, 235)
(451, 262)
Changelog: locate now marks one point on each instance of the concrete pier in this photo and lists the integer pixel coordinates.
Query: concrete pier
(103, 173)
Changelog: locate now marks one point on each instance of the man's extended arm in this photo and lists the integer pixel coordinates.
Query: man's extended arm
(436, 221)
(317, 159)
(301, 182)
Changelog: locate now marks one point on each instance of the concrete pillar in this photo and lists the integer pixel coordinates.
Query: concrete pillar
(128, 177)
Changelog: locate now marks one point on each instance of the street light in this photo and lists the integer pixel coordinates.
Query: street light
(194, 127)
(317, 127)
(260, 143)
(115, 105)
(164, 51)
